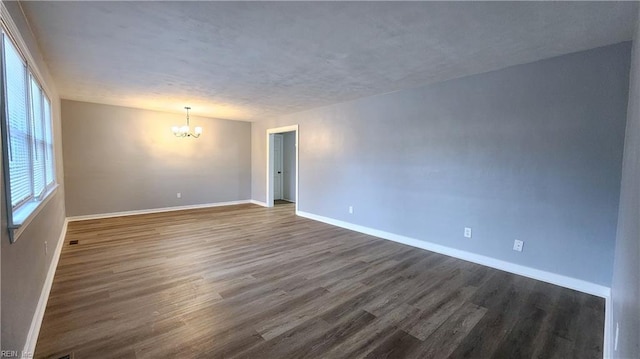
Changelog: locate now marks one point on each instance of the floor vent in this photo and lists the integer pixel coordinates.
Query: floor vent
(75, 241)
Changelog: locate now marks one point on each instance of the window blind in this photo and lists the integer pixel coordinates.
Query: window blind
(49, 174)
(38, 142)
(18, 125)
(26, 123)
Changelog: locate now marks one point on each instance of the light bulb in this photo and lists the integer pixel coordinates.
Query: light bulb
(175, 129)
(198, 130)
(184, 129)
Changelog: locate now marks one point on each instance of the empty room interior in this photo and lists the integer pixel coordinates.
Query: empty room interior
(320, 179)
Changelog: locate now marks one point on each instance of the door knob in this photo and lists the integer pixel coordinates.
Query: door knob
(279, 172)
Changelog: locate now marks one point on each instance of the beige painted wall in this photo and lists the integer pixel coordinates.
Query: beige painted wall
(25, 263)
(124, 159)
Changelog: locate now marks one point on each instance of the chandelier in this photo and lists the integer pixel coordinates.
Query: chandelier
(185, 130)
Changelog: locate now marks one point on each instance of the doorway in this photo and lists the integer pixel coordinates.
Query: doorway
(278, 167)
(282, 166)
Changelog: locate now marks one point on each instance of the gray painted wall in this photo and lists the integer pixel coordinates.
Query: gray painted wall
(123, 159)
(532, 152)
(625, 290)
(24, 263)
(289, 166)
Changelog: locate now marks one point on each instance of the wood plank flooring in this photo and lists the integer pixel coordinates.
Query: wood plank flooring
(252, 282)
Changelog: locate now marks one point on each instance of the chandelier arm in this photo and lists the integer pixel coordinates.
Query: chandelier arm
(185, 131)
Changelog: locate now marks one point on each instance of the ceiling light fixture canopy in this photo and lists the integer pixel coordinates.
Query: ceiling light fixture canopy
(185, 130)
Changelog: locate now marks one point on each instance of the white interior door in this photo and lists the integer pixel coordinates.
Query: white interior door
(278, 176)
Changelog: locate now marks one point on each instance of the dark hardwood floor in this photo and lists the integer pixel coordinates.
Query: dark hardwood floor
(251, 282)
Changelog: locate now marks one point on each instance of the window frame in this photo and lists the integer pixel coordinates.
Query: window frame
(21, 214)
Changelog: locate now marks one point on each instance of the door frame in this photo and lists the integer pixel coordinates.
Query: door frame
(270, 133)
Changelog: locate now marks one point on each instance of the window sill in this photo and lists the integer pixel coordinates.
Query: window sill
(27, 212)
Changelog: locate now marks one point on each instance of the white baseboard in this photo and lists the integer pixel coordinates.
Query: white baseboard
(155, 210)
(36, 322)
(557, 279)
(553, 278)
(263, 204)
(609, 332)
(38, 316)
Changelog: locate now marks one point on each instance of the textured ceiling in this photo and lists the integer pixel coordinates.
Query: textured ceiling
(255, 60)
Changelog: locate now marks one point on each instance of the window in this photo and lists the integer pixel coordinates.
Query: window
(27, 136)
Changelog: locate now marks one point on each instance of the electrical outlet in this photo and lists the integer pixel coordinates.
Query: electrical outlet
(467, 232)
(46, 249)
(517, 245)
(350, 209)
(179, 195)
